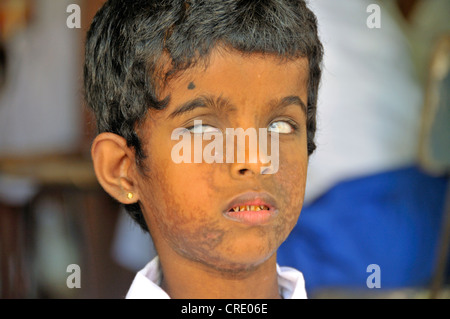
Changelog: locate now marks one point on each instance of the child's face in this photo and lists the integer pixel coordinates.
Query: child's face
(186, 205)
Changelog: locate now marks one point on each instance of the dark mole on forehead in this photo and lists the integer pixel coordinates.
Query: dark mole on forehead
(191, 86)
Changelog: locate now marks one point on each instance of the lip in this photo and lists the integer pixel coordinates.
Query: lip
(252, 218)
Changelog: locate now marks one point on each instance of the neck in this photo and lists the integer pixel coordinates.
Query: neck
(186, 279)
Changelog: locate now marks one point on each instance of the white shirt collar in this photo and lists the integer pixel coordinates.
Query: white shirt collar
(146, 283)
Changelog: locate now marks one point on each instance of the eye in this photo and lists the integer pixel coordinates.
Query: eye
(281, 127)
(202, 129)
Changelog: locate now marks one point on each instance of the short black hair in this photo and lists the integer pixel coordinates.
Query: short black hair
(128, 40)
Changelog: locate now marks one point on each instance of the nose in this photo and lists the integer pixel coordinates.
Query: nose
(244, 170)
(252, 164)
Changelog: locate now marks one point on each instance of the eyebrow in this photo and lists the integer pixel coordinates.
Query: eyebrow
(223, 104)
(205, 101)
(286, 101)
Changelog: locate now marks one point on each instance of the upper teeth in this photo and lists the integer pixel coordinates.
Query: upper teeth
(249, 208)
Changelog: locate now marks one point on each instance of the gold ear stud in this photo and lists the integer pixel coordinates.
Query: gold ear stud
(130, 195)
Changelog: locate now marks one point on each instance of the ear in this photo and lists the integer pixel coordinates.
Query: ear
(114, 166)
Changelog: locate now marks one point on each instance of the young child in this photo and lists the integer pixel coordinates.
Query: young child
(155, 67)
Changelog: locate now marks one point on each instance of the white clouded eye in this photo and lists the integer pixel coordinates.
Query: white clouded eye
(203, 129)
(281, 127)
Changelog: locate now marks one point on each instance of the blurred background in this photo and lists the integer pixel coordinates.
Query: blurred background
(377, 184)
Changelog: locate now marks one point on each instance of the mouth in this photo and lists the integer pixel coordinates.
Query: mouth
(252, 209)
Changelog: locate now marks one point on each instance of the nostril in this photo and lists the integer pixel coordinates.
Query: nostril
(243, 171)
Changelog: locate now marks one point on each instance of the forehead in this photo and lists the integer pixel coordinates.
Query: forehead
(240, 78)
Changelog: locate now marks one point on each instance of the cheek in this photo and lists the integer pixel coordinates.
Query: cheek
(292, 177)
(290, 182)
(178, 204)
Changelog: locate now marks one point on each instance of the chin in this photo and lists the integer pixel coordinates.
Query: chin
(245, 256)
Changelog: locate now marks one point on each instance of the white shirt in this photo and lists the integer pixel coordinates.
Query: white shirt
(146, 283)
